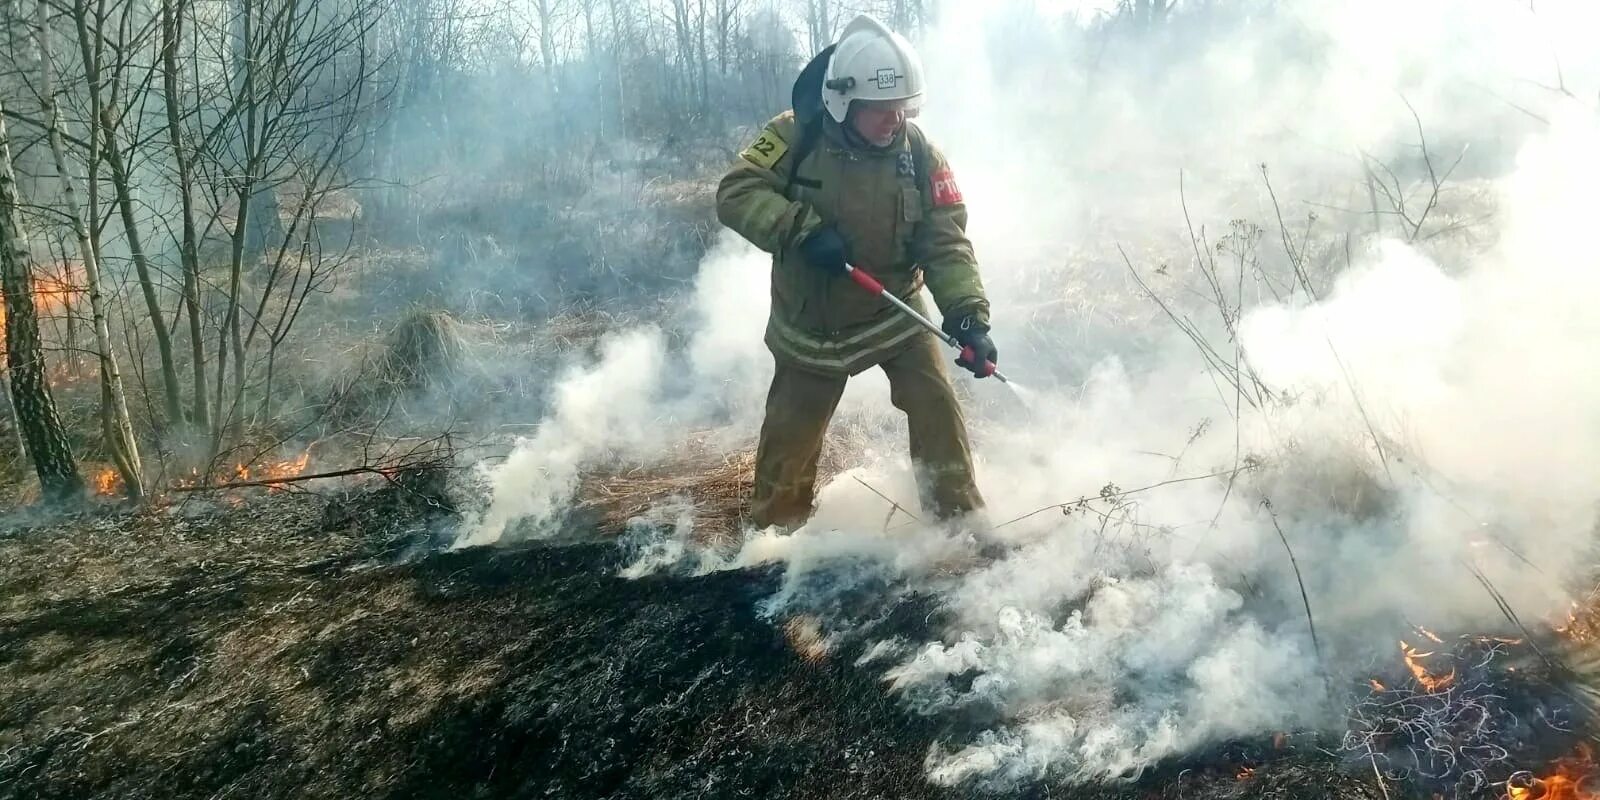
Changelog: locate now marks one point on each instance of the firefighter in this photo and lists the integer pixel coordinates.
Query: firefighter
(845, 177)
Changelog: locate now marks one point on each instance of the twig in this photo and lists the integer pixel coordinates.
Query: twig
(1296, 258)
(1382, 787)
(1366, 419)
(1311, 621)
(1505, 609)
(1214, 360)
(1201, 261)
(1121, 494)
(1427, 483)
(1433, 178)
(897, 506)
(385, 472)
(1297, 265)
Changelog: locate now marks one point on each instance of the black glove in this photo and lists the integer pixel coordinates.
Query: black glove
(978, 353)
(825, 249)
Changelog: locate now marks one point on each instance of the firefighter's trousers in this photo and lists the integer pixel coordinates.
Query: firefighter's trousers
(800, 404)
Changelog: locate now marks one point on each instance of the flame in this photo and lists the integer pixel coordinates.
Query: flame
(1581, 623)
(247, 472)
(806, 638)
(273, 470)
(1376, 686)
(1246, 773)
(1569, 779)
(107, 482)
(1430, 682)
(53, 293)
(285, 469)
(288, 469)
(188, 481)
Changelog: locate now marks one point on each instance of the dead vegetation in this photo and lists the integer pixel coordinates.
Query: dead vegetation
(715, 479)
(718, 486)
(423, 352)
(290, 647)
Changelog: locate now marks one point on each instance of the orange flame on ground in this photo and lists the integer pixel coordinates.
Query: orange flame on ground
(1582, 623)
(275, 470)
(247, 473)
(107, 482)
(1570, 778)
(1429, 681)
(1246, 773)
(290, 469)
(1376, 686)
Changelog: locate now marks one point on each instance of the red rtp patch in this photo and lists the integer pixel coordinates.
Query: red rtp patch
(945, 190)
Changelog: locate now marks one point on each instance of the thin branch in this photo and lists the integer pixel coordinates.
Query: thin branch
(1209, 353)
(1126, 493)
(1311, 621)
(338, 473)
(1296, 258)
(886, 499)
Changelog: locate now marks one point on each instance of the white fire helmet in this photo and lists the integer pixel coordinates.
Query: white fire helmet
(871, 62)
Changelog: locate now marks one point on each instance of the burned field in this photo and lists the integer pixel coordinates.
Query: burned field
(302, 646)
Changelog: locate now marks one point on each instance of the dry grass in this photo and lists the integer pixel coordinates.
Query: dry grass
(581, 328)
(718, 480)
(719, 486)
(422, 351)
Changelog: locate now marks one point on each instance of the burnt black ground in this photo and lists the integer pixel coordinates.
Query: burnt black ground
(290, 647)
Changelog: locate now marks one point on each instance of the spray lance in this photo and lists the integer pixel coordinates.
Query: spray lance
(872, 285)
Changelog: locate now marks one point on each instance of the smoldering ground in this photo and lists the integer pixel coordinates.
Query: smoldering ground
(1301, 304)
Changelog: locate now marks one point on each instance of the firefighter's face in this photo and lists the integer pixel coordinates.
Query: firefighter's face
(879, 121)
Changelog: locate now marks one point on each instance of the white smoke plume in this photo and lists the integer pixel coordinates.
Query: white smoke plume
(598, 409)
(1470, 383)
(1428, 412)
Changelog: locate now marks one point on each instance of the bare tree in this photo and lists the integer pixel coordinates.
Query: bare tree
(107, 85)
(306, 88)
(200, 143)
(1146, 14)
(546, 19)
(41, 426)
(118, 428)
(727, 20)
(172, 16)
(819, 23)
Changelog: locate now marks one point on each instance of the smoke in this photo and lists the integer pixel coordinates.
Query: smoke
(1412, 402)
(599, 409)
(1107, 656)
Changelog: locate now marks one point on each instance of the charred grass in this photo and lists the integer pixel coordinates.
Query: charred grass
(310, 646)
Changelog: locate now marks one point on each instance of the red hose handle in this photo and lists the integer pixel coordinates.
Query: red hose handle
(969, 356)
(866, 281)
